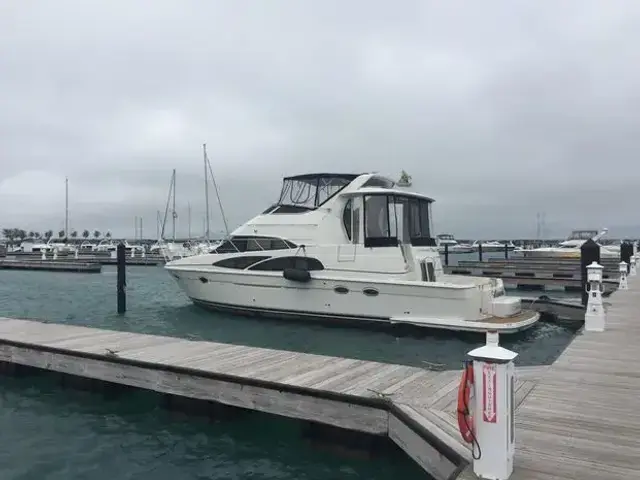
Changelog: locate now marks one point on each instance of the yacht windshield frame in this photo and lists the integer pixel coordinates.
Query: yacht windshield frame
(308, 192)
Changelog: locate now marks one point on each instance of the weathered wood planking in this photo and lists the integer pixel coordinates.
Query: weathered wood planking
(581, 419)
(366, 396)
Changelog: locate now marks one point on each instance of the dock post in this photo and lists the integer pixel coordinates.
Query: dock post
(446, 254)
(75, 254)
(494, 398)
(623, 276)
(589, 253)
(632, 266)
(595, 316)
(44, 255)
(626, 250)
(55, 253)
(480, 252)
(506, 251)
(121, 279)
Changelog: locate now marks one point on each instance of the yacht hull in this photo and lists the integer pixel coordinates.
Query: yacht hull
(346, 300)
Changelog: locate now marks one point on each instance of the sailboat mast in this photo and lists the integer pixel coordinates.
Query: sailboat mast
(175, 214)
(206, 193)
(66, 207)
(189, 218)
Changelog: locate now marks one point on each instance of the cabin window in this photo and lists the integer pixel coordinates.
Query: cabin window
(253, 244)
(351, 220)
(347, 218)
(280, 263)
(390, 219)
(379, 230)
(239, 263)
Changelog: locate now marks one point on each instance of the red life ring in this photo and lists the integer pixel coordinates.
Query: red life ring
(465, 419)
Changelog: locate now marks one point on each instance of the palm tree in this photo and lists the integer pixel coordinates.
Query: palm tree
(61, 233)
(108, 235)
(73, 234)
(21, 234)
(31, 234)
(96, 234)
(48, 234)
(8, 234)
(85, 234)
(37, 235)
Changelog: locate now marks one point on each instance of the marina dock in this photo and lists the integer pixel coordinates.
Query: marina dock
(574, 419)
(581, 420)
(543, 274)
(76, 266)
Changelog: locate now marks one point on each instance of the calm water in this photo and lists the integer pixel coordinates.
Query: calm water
(63, 434)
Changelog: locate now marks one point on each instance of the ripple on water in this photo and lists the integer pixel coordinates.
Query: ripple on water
(66, 435)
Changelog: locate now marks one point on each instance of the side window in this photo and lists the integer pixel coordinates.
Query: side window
(424, 218)
(414, 218)
(347, 218)
(275, 264)
(280, 263)
(239, 263)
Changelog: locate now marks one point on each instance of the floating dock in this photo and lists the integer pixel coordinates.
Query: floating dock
(50, 266)
(543, 275)
(149, 260)
(581, 419)
(575, 419)
(414, 407)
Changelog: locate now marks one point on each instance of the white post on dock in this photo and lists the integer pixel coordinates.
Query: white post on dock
(632, 267)
(113, 254)
(623, 276)
(44, 254)
(595, 317)
(494, 401)
(133, 253)
(75, 254)
(55, 253)
(143, 253)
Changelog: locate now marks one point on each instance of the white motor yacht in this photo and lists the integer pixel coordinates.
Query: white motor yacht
(570, 248)
(452, 244)
(345, 247)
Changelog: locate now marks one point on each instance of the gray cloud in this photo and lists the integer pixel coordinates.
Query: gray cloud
(499, 110)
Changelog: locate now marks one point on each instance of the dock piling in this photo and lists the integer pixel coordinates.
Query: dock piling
(626, 251)
(446, 254)
(494, 397)
(632, 267)
(506, 251)
(589, 253)
(121, 279)
(480, 251)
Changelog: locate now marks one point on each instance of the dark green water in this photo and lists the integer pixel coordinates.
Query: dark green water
(52, 433)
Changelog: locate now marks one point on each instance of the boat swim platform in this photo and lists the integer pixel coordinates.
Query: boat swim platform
(414, 407)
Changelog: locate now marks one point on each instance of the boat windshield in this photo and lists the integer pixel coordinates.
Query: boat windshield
(310, 191)
(446, 236)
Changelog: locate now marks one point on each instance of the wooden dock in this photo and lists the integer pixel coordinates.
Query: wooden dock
(50, 266)
(414, 407)
(581, 420)
(544, 275)
(149, 260)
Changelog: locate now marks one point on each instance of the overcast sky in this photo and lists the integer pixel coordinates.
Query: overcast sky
(498, 110)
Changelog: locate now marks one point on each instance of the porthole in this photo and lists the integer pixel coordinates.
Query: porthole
(340, 289)
(370, 292)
